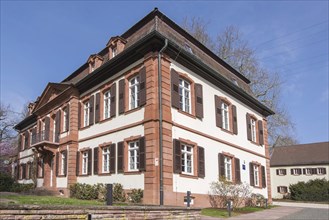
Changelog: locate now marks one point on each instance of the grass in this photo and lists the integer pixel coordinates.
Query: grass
(222, 213)
(47, 200)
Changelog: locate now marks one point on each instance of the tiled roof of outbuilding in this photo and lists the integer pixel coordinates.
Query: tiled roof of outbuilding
(302, 154)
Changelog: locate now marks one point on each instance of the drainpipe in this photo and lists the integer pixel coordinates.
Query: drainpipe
(160, 120)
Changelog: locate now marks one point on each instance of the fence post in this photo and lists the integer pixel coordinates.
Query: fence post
(188, 198)
(229, 208)
(109, 194)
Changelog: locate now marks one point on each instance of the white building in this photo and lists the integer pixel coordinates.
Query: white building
(293, 164)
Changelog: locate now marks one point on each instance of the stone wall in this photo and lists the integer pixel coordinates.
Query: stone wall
(96, 212)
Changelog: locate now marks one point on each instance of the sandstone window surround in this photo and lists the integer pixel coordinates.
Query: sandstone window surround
(229, 167)
(257, 175)
(255, 132)
(226, 115)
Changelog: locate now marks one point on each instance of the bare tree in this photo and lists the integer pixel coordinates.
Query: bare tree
(7, 122)
(266, 85)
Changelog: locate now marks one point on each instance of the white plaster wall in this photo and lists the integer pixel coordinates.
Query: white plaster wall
(128, 181)
(61, 181)
(212, 148)
(40, 182)
(288, 179)
(25, 153)
(208, 124)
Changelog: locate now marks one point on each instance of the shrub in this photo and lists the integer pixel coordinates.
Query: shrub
(313, 190)
(18, 187)
(6, 182)
(136, 196)
(84, 191)
(118, 193)
(222, 191)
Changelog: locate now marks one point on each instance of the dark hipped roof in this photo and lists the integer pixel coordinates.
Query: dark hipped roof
(302, 154)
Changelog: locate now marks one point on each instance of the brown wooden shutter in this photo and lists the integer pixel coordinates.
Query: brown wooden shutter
(221, 166)
(291, 171)
(198, 100)
(251, 170)
(57, 163)
(26, 139)
(96, 160)
(97, 108)
(277, 171)
(120, 157)
(113, 102)
(77, 168)
(177, 157)
(142, 87)
(304, 171)
(278, 188)
(38, 167)
(248, 127)
(65, 162)
(260, 132)
(237, 170)
(324, 170)
(299, 171)
(263, 177)
(79, 115)
(121, 96)
(47, 128)
(285, 171)
(142, 155)
(91, 110)
(67, 117)
(314, 171)
(112, 158)
(218, 111)
(34, 136)
(89, 161)
(58, 125)
(174, 89)
(235, 120)
(201, 162)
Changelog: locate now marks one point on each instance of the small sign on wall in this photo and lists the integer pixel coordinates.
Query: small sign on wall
(244, 166)
(156, 162)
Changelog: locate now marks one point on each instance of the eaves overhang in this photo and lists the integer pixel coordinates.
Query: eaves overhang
(26, 122)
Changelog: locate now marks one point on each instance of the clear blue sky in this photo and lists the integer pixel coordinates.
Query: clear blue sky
(44, 42)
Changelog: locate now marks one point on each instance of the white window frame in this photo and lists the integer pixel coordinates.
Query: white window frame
(256, 175)
(85, 162)
(134, 92)
(185, 95)
(187, 159)
(106, 159)
(86, 113)
(253, 129)
(282, 189)
(228, 168)
(225, 116)
(133, 155)
(281, 172)
(295, 171)
(65, 115)
(107, 105)
(63, 160)
(114, 52)
(308, 171)
(321, 170)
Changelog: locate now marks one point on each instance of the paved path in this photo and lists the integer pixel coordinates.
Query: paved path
(303, 205)
(273, 213)
(307, 214)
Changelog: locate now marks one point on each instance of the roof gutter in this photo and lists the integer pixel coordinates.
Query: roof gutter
(160, 119)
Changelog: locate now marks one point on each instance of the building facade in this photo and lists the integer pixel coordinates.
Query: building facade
(298, 163)
(155, 110)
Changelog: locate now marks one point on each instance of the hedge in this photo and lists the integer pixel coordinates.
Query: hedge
(313, 190)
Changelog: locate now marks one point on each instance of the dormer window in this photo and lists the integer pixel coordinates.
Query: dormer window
(114, 52)
(94, 61)
(188, 48)
(92, 67)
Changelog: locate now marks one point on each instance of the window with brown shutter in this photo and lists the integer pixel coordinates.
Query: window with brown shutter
(89, 161)
(177, 156)
(248, 127)
(174, 89)
(142, 155)
(263, 177)
(77, 168)
(57, 125)
(142, 86)
(121, 96)
(201, 162)
(218, 111)
(260, 132)
(237, 170)
(251, 173)
(113, 102)
(91, 110)
(57, 163)
(221, 166)
(121, 157)
(96, 160)
(112, 158)
(235, 120)
(198, 100)
(97, 108)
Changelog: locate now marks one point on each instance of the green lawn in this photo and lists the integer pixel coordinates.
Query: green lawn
(47, 200)
(222, 213)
